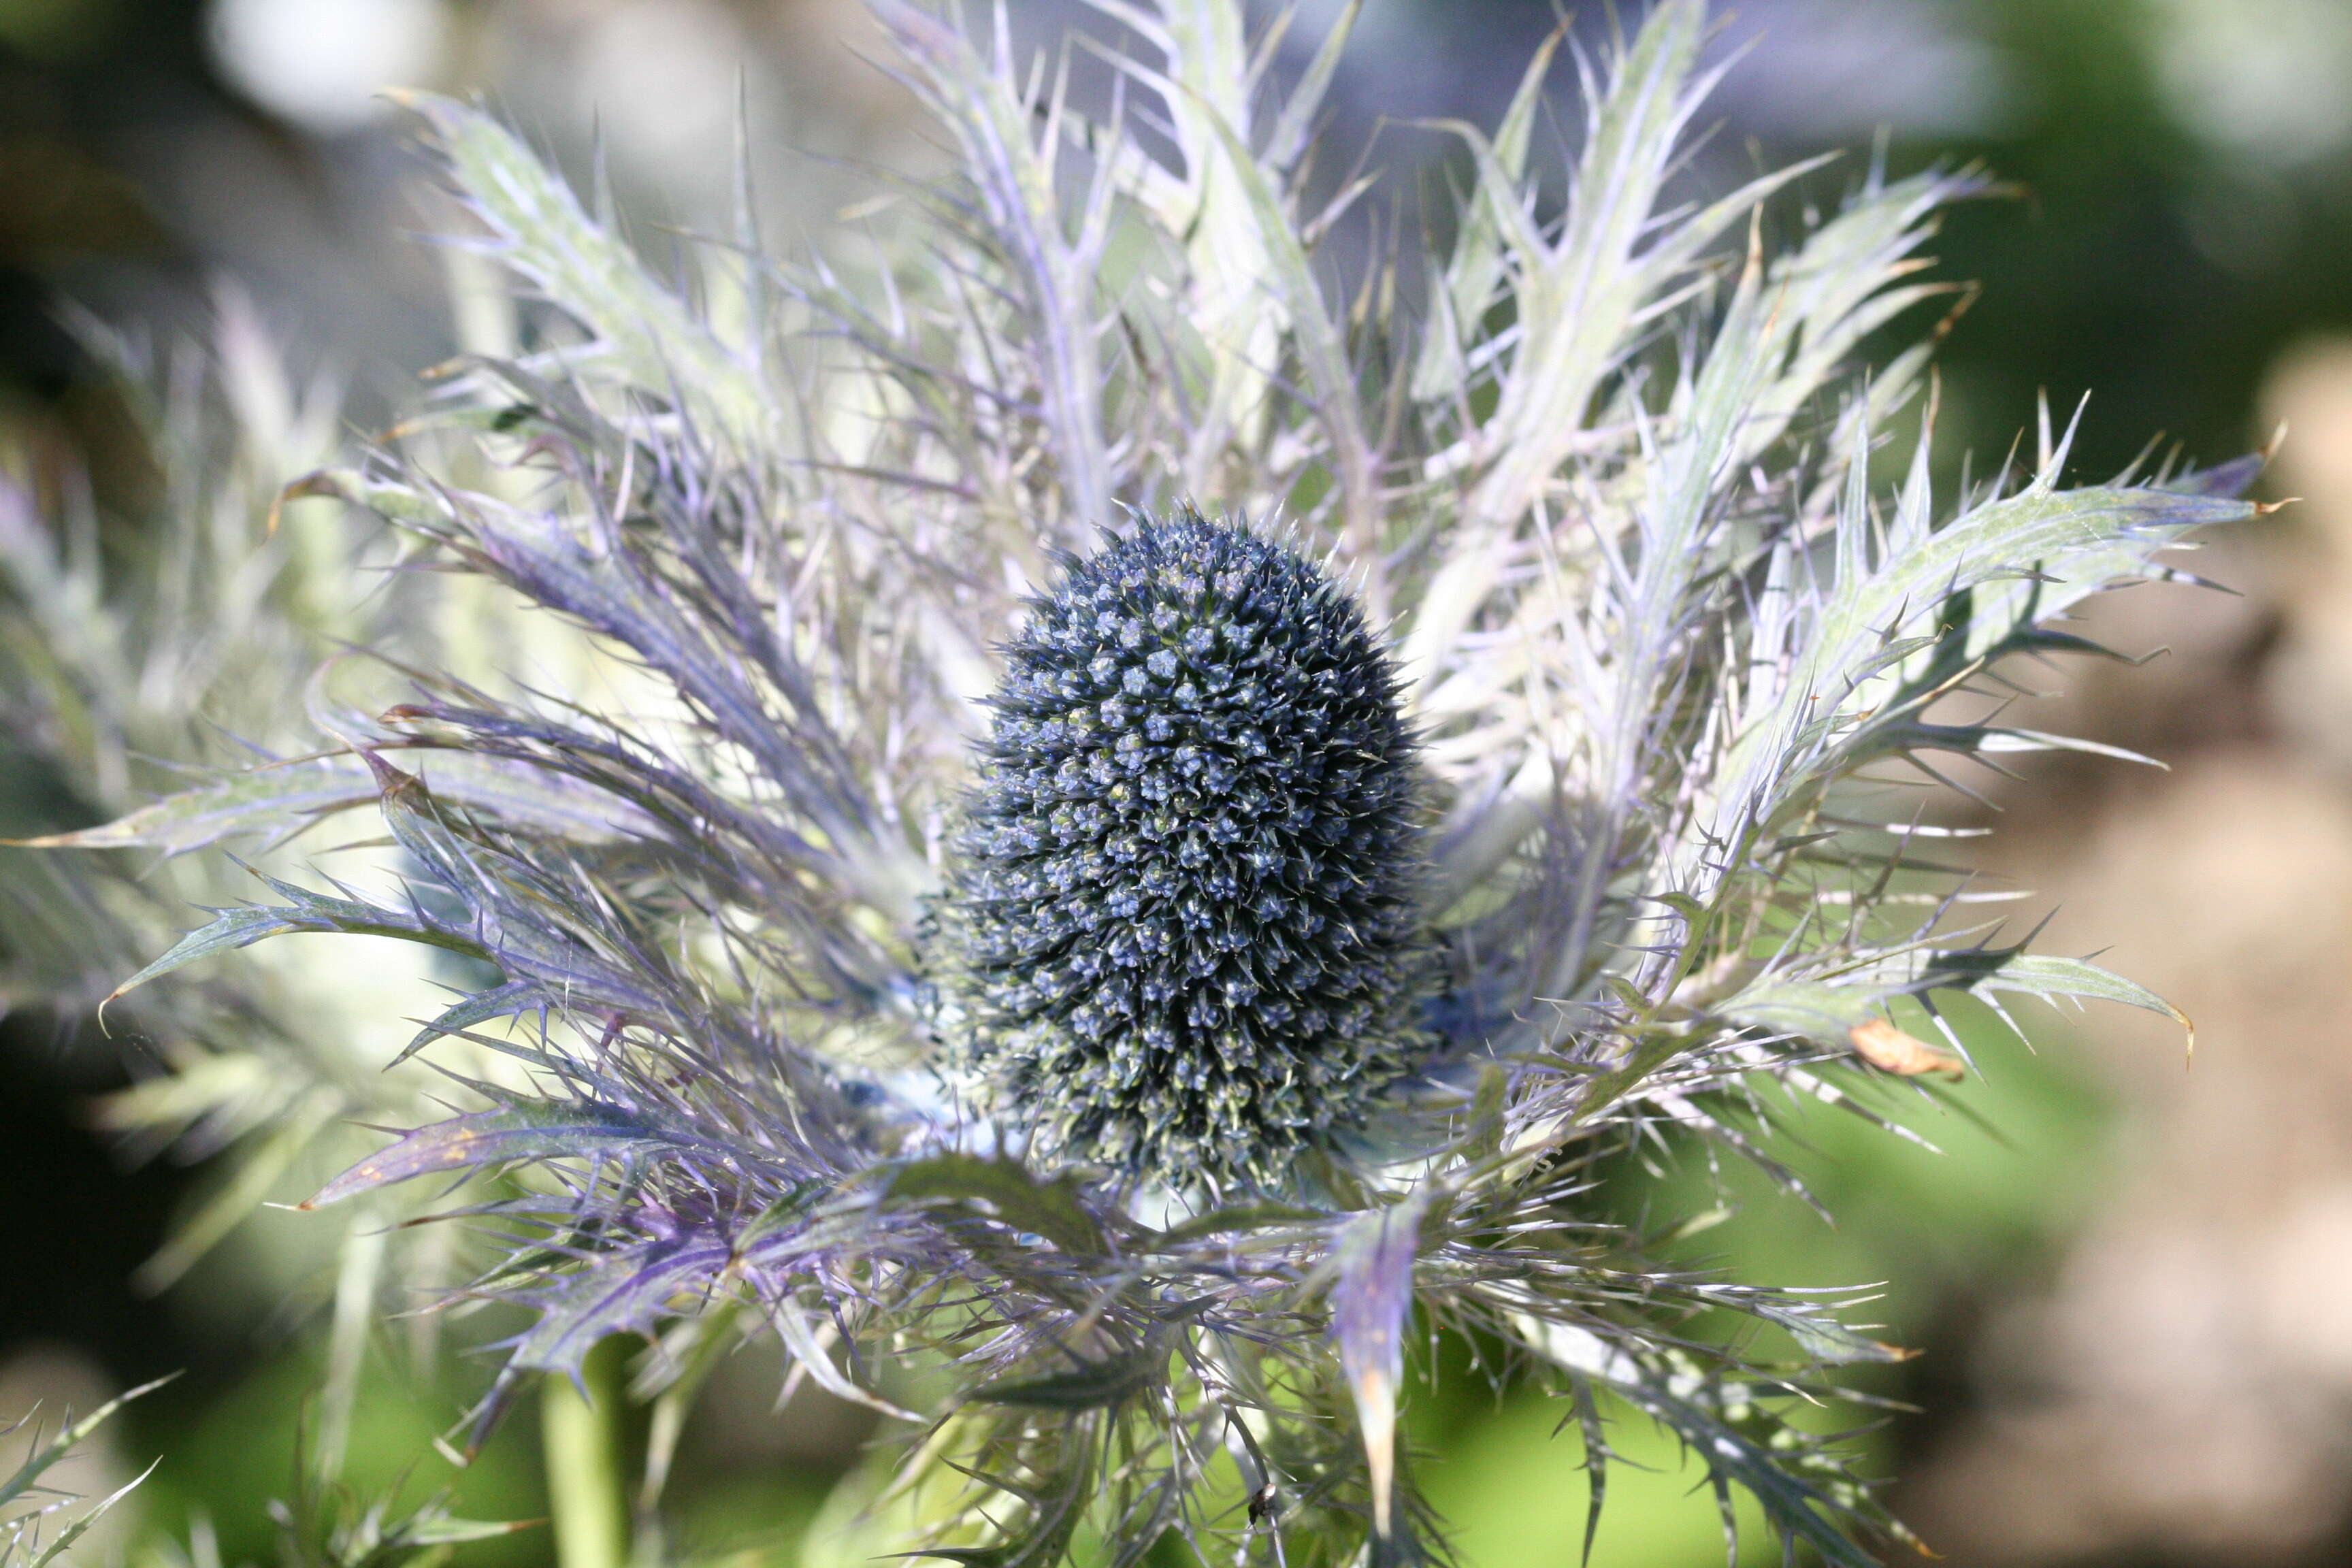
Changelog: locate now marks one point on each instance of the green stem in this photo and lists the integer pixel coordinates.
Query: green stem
(586, 1442)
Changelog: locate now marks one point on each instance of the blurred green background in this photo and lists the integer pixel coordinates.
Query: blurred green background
(2132, 1296)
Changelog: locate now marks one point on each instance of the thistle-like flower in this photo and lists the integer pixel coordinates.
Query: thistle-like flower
(1183, 924)
(767, 929)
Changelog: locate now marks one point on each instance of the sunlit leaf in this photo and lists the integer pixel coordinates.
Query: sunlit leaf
(519, 1130)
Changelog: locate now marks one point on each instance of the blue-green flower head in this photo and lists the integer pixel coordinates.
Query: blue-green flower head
(1181, 925)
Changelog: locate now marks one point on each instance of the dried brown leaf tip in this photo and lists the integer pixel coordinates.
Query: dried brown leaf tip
(1885, 1047)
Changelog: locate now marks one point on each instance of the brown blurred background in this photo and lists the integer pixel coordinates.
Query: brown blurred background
(2136, 1295)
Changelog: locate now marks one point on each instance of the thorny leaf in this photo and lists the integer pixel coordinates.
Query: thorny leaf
(626, 1289)
(309, 911)
(1371, 1297)
(276, 801)
(1108, 1382)
(1001, 1190)
(521, 1130)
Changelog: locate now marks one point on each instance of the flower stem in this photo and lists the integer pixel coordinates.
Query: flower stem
(586, 1447)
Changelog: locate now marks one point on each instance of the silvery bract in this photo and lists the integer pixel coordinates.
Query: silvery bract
(1114, 1115)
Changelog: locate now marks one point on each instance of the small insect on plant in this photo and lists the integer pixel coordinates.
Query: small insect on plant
(1103, 830)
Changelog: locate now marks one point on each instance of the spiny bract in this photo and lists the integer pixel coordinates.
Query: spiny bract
(1181, 922)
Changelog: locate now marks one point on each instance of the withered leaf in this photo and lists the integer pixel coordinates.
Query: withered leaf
(1883, 1046)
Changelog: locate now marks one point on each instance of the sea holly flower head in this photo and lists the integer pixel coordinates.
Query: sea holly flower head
(1090, 982)
(1183, 931)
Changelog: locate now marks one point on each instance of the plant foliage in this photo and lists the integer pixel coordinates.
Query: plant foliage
(28, 1506)
(1661, 635)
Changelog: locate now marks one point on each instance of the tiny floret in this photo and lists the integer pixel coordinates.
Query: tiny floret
(1179, 937)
